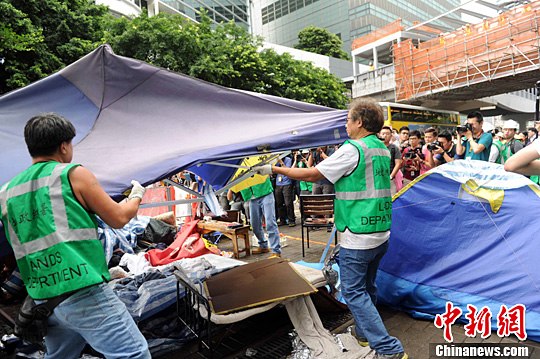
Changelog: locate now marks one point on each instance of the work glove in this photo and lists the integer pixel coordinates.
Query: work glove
(263, 170)
(137, 191)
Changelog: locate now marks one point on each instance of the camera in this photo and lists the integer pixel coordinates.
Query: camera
(433, 146)
(465, 128)
(409, 155)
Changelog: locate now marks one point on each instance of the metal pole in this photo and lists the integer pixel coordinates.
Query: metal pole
(537, 115)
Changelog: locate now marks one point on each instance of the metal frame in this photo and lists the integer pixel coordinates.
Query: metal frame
(499, 47)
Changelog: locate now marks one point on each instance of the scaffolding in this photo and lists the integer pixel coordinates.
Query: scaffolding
(506, 45)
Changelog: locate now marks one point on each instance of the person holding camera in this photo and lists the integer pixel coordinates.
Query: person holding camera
(49, 216)
(412, 158)
(443, 150)
(472, 141)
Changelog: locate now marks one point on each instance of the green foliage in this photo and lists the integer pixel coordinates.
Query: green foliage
(226, 55)
(39, 37)
(321, 41)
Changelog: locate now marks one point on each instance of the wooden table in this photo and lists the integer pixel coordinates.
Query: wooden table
(233, 233)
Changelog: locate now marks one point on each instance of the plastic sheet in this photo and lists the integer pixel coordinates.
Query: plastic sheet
(301, 351)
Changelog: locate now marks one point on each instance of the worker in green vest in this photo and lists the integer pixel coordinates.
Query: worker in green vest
(48, 213)
(360, 171)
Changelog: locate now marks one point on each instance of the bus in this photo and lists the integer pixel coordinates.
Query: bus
(419, 118)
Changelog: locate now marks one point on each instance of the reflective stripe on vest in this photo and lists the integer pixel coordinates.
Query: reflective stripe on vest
(62, 234)
(370, 191)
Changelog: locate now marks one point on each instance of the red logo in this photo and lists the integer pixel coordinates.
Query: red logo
(509, 321)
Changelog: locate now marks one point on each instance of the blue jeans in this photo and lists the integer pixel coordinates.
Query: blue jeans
(265, 206)
(358, 269)
(95, 316)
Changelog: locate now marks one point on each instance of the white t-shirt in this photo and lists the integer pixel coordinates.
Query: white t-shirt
(340, 164)
(536, 144)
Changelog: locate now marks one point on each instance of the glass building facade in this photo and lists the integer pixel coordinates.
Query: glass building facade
(217, 10)
(282, 20)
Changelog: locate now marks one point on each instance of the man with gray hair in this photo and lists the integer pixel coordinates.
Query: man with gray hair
(360, 171)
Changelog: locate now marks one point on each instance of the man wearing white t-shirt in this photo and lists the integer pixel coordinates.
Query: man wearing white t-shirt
(360, 171)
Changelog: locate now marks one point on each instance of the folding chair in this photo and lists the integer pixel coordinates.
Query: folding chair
(316, 205)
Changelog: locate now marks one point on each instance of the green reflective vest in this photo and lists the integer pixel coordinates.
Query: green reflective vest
(54, 238)
(257, 191)
(363, 199)
(304, 186)
(504, 152)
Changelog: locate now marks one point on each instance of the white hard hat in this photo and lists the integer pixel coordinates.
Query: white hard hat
(511, 124)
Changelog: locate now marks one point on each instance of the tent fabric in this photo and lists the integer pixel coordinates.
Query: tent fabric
(137, 121)
(447, 244)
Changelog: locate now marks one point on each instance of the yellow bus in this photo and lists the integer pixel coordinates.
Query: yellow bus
(420, 118)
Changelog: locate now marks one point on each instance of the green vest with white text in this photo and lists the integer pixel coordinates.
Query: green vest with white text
(54, 238)
(363, 199)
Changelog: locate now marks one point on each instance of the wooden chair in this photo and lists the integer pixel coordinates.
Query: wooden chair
(311, 206)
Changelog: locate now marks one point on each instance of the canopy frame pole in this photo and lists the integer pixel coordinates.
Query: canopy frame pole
(171, 203)
(182, 187)
(250, 172)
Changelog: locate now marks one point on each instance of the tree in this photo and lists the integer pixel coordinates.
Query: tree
(226, 55)
(39, 37)
(321, 41)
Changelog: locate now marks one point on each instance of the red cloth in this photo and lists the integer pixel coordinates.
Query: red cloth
(188, 244)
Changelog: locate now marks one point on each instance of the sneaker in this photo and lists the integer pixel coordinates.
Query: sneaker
(260, 250)
(401, 355)
(292, 224)
(275, 255)
(281, 223)
(363, 342)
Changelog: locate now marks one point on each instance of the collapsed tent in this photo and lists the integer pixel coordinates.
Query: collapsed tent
(465, 232)
(137, 121)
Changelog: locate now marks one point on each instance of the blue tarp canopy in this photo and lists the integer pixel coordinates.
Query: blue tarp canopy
(137, 121)
(466, 233)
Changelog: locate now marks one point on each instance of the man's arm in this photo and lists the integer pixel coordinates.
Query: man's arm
(311, 174)
(397, 167)
(92, 197)
(483, 142)
(524, 161)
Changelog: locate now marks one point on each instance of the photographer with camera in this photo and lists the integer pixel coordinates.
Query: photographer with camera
(472, 141)
(443, 150)
(412, 158)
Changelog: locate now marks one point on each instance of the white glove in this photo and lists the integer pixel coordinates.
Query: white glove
(263, 170)
(137, 191)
